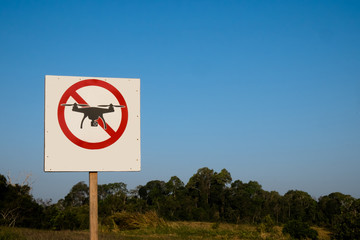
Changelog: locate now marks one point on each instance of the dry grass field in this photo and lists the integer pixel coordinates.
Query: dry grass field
(168, 230)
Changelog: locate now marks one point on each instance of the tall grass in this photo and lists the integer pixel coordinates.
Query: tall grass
(121, 221)
(10, 234)
(135, 226)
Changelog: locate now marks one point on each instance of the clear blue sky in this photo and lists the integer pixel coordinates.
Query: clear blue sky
(269, 90)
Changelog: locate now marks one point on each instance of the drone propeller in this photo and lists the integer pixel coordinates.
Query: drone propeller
(121, 106)
(72, 104)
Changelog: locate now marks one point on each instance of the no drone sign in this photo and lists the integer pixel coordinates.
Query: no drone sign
(92, 124)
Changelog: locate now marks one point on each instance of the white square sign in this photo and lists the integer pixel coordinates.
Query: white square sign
(92, 124)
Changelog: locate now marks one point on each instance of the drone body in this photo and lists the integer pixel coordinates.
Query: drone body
(93, 113)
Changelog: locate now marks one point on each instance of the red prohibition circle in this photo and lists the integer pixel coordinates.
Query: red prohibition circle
(71, 92)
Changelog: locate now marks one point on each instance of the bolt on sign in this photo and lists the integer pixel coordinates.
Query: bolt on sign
(92, 124)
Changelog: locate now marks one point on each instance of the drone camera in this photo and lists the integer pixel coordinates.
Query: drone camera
(94, 123)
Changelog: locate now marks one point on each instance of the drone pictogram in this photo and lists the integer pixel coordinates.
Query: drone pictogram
(93, 113)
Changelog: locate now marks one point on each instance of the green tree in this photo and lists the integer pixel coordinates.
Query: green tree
(346, 225)
(199, 186)
(246, 202)
(154, 193)
(111, 189)
(112, 198)
(218, 192)
(78, 195)
(173, 186)
(17, 206)
(235, 210)
(300, 205)
(72, 212)
(174, 200)
(272, 205)
(330, 207)
(199, 190)
(255, 195)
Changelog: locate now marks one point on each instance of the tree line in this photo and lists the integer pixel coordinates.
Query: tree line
(207, 196)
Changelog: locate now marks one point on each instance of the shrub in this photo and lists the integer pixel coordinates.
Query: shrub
(73, 218)
(300, 230)
(269, 224)
(129, 221)
(125, 221)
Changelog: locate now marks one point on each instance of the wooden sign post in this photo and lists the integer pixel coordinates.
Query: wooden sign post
(93, 194)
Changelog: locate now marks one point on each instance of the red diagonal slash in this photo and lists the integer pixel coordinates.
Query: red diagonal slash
(80, 100)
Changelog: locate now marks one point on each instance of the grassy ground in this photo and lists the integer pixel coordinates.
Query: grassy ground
(168, 231)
